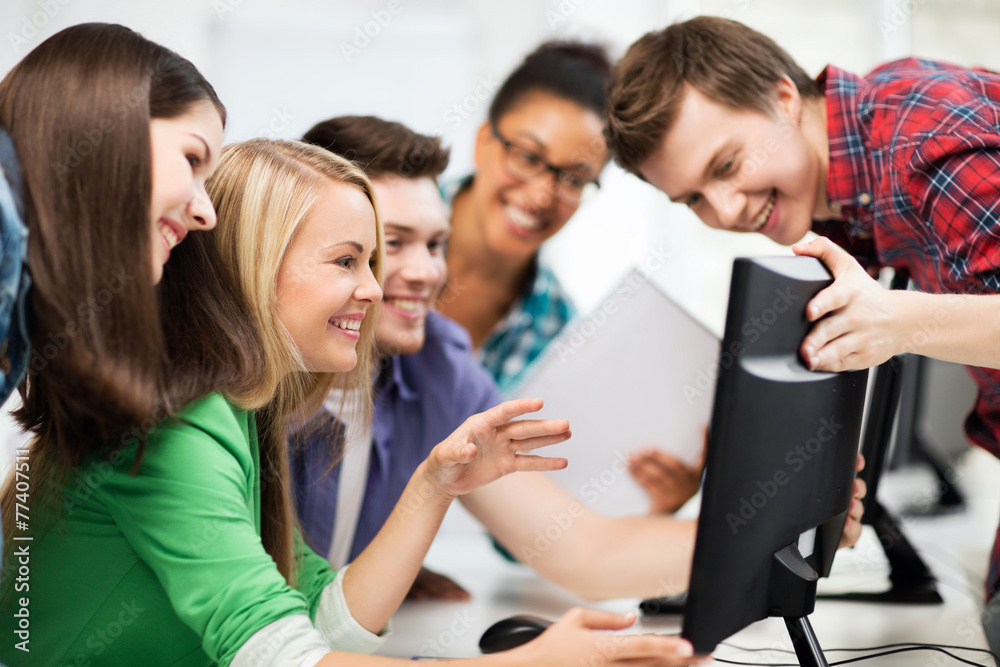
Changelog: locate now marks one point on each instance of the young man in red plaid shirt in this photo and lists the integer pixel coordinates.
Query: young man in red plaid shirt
(900, 168)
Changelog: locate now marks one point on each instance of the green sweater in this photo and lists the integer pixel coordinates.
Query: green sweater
(164, 567)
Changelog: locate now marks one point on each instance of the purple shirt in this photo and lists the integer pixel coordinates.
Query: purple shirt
(420, 399)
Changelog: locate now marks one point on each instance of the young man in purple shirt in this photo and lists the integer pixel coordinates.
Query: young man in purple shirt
(429, 382)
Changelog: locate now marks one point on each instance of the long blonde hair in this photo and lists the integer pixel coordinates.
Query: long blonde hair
(263, 190)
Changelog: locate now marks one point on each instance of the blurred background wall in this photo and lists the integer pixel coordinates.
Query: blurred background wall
(434, 64)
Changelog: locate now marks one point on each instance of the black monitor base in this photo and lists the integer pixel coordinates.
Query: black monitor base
(911, 581)
(950, 499)
(805, 643)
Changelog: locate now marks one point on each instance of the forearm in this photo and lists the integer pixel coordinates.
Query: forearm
(592, 555)
(646, 556)
(378, 579)
(339, 659)
(960, 328)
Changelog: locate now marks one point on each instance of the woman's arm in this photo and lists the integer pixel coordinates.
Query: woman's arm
(571, 642)
(486, 447)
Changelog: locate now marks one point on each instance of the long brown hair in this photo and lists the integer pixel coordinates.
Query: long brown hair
(263, 191)
(112, 353)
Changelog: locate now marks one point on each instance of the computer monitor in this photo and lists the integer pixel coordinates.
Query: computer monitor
(780, 462)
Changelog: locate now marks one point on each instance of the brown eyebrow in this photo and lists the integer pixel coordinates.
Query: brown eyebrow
(208, 150)
(405, 229)
(576, 166)
(357, 246)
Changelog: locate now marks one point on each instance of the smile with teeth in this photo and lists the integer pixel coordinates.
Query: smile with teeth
(522, 219)
(168, 233)
(349, 325)
(408, 305)
(762, 217)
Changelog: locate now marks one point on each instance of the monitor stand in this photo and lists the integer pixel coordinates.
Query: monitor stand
(950, 499)
(804, 642)
(910, 580)
(792, 590)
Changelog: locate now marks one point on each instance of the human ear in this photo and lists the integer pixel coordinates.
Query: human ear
(483, 137)
(787, 100)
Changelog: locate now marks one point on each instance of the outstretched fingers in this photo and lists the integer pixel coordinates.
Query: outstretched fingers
(532, 463)
(528, 429)
(500, 414)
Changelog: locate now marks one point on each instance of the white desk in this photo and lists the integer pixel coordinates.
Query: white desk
(956, 548)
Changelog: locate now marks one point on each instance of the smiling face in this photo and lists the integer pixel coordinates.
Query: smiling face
(416, 231)
(742, 170)
(325, 284)
(184, 150)
(518, 216)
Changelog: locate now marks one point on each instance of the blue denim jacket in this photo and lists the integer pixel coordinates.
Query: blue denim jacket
(15, 347)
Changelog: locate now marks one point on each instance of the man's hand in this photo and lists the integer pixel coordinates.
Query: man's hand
(852, 528)
(858, 323)
(430, 585)
(669, 481)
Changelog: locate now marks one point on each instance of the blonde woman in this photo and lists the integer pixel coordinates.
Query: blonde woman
(299, 228)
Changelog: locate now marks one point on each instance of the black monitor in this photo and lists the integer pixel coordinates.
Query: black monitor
(780, 462)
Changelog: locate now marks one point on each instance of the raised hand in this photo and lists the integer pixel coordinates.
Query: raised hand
(489, 445)
(669, 481)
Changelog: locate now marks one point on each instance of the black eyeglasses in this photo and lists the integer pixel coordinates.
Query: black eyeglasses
(571, 186)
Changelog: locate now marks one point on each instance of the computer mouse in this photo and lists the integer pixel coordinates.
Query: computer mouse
(511, 632)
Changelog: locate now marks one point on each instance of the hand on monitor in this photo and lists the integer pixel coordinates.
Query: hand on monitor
(669, 481)
(859, 323)
(489, 445)
(571, 641)
(852, 528)
(430, 585)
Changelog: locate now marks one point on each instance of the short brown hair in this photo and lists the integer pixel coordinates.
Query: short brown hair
(380, 147)
(726, 61)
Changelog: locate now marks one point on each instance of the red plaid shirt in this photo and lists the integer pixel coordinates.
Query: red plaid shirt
(915, 170)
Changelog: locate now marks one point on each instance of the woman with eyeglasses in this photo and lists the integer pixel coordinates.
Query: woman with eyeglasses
(537, 156)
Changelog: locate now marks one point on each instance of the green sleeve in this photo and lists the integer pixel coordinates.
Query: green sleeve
(192, 514)
(313, 575)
